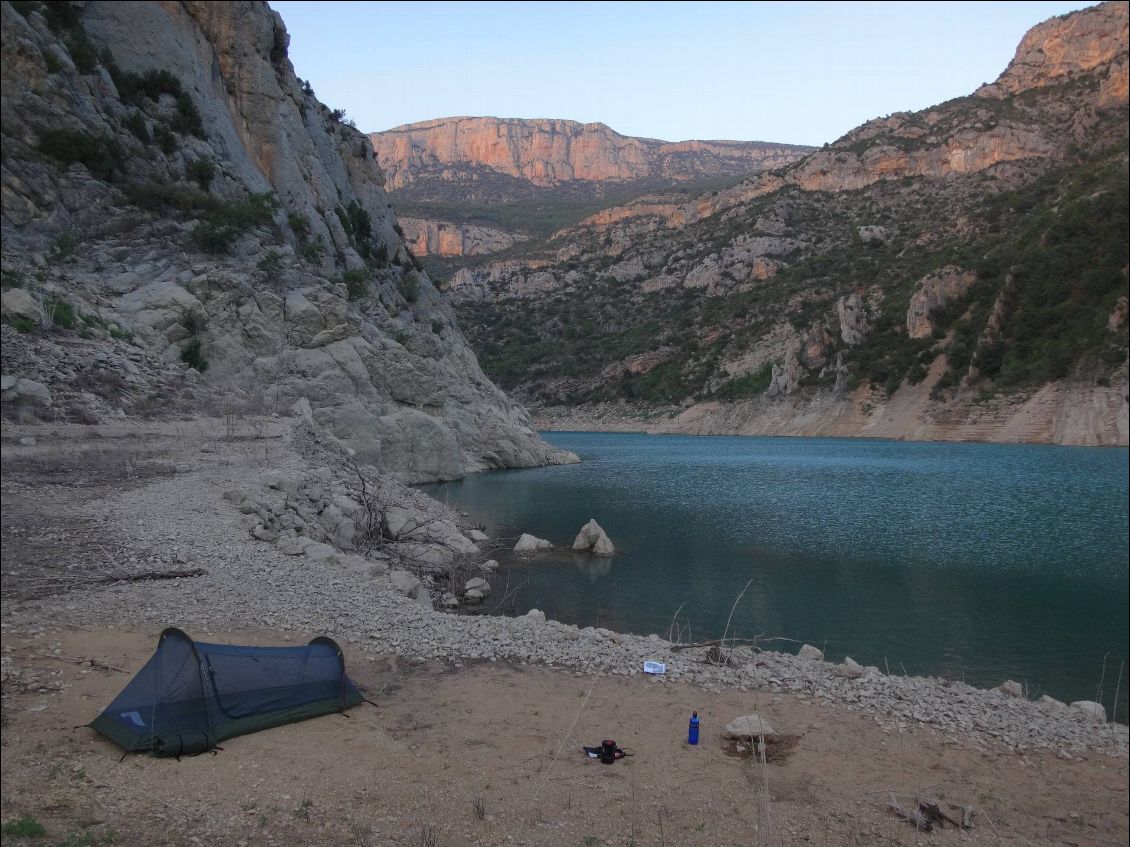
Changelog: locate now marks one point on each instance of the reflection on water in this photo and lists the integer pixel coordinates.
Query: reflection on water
(594, 567)
(980, 561)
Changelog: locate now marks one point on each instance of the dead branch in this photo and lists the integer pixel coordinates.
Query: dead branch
(911, 816)
(715, 643)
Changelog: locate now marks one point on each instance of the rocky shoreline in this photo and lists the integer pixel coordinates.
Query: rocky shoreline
(262, 576)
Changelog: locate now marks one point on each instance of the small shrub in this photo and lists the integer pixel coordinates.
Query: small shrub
(271, 266)
(23, 325)
(61, 15)
(192, 356)
(313, 252)
(25, 7)
(409, 287)
(213, 237)
(135, 123)
(194, 321)
(63, 246)
(203, 171)
(52, 62)
(166, 139)
(437, 326)
(278, 46)
(357, 283)
(298, 225)
(11, 279)
(24, 827)
(187, 120)
(60, 312)
(100, 154)
(82, 51)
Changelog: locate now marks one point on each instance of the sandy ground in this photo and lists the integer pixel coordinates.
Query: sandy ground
(445, 736)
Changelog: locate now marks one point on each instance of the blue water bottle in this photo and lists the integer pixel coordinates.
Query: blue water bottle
(692, 733)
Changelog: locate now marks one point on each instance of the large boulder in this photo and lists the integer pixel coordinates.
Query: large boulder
(809, 653)
(594, 539)
(1011, 688)
(15, 303)
(850, 669)
(1090, 710)
(478, 584)
(531, 544)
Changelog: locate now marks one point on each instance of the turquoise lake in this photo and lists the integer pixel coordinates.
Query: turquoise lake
(974, 561)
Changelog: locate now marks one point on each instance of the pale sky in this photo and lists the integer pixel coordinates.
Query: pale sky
(804, 73)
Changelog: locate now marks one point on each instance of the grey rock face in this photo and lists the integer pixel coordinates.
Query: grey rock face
(382, 367)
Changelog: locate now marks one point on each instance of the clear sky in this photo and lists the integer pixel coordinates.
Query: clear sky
(791, 72)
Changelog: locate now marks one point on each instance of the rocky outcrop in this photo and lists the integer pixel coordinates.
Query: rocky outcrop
(549, 152)
(935, 291)
(1069, 46)
(854, 323)
(594, 539)
(440, 238)
(191, 192)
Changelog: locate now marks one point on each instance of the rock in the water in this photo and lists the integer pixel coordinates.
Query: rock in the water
(478, 584)
(489, 566)
(531, 544)
(1089, 709)
(1011, 688)
(594, 539)
(810, 653)
(473, 596)
(850, 669)
(746, 727)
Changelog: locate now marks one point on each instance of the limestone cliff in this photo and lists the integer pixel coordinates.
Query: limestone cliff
(432, 238)
(172, 192)
(951, 273)
(547, 152)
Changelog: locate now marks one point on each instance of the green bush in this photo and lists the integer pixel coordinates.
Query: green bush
(135, 122)
(100, 154)
(357, 283)
(166, 139)
(52, 62)
(202, 170)
(192, 356)
(271, 266)
(82, 51)
(409, 286)
(25, 827)
(134, 87)
(212, 237)
(61, 15)
(24, 325)
(749, 385)
(62, 313)
(313, 252)
(298, 225)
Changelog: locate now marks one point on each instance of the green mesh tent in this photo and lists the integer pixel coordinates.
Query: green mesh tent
(190, 695)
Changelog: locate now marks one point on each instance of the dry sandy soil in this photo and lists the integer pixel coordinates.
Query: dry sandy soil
(445, 736)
